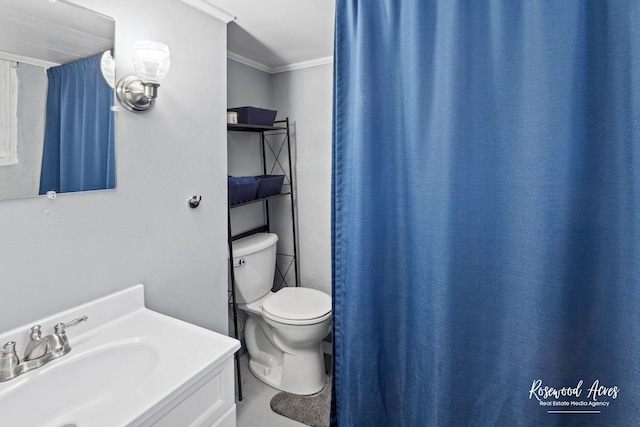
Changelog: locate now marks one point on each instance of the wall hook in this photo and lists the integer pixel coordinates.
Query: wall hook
(194, 201)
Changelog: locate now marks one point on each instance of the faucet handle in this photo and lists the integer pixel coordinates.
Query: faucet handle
(60, 327)
(9, 358)
(9, 348)
(35, 333)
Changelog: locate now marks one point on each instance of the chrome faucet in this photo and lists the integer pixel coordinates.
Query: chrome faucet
(39, 351)
(37, 347)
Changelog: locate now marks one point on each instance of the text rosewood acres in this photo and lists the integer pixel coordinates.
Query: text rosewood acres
(546, 394)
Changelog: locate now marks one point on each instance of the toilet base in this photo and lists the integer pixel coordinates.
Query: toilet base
(268, 375)
(304, 375)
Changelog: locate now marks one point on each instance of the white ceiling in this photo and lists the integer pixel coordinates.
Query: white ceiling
(48, 33)
(272, 35)
(280, 34)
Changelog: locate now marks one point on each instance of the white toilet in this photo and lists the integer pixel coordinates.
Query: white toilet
(285, 329)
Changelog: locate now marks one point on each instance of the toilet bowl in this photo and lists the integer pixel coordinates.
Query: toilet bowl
(285, 329)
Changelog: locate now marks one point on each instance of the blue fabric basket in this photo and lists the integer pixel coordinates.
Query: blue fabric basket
(254, 116)
(242, 189)
(269, 185)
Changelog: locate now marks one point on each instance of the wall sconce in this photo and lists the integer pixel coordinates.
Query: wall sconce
(151, 61)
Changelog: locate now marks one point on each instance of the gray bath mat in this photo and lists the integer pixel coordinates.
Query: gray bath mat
(311, 410)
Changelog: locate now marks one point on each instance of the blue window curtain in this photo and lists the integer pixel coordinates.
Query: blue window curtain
(78, 152)
(486, 213)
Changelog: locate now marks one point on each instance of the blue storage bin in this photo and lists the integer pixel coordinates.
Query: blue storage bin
(242, 189)
(254, 116)
(269, 185)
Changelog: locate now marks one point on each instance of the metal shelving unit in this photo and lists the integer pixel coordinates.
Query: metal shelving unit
(274, 139)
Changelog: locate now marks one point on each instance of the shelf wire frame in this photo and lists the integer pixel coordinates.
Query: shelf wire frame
(280, 280)
(276, 146)
(294, 260)
(234, 304)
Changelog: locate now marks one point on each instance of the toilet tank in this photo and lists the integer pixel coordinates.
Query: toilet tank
(254, 260)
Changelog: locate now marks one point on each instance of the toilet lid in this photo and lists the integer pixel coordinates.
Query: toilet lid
(297, 304)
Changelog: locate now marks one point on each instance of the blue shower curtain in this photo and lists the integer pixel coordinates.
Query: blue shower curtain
(78, 152)
(486, 213)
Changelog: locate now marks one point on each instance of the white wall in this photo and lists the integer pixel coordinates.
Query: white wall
(247, 86)
(305, 96)
(55, 254)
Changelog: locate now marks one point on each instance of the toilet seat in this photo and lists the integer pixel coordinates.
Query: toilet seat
(297, 306)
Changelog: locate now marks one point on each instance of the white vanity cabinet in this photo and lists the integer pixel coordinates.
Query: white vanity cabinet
(209, 401)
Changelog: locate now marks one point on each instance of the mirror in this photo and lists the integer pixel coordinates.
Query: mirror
(40, 41)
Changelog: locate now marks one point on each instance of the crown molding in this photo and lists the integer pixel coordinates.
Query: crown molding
(208, 8)
(303, 64)
(249, 62)
(284, 68)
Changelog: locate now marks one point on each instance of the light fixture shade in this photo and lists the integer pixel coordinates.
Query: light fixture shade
(151, 61)
(108, 68)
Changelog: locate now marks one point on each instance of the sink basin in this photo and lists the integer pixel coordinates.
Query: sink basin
(126, 363)
(89, 380)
